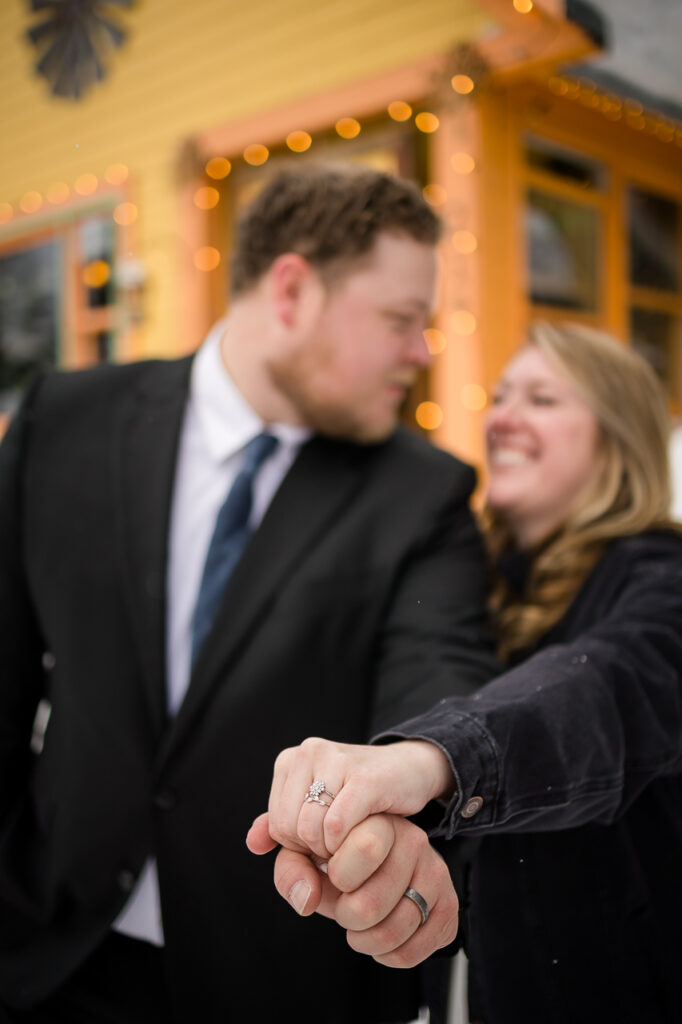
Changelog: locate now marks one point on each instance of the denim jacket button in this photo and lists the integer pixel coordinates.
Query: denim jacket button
(472, 806)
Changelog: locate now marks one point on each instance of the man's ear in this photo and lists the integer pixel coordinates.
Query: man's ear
(291, 281)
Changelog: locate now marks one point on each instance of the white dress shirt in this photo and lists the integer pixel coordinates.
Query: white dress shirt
(218, 424)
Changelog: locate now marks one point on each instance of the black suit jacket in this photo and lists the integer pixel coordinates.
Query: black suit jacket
(359, 601)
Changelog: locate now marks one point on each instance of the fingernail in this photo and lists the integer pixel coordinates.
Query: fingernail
(298, 896)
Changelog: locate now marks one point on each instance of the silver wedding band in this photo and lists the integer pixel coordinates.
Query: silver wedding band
(419, 901)
(314, 793)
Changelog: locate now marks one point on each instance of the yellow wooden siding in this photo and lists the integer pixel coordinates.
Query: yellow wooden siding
(189, 66)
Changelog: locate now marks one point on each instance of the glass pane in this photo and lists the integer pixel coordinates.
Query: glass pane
(654, 224)
(562, 245)
(657, 336)
(97, 255)
(567, 164)
(29, 305)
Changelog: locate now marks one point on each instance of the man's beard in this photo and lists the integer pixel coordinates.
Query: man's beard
(338, 422)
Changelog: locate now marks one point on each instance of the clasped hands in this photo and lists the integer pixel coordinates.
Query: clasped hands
(353, 860)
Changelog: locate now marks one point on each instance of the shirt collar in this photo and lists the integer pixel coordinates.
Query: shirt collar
(226, 420)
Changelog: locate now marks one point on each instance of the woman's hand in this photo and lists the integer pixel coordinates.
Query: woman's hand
(398, 778)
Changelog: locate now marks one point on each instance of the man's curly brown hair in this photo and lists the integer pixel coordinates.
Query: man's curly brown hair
(329, 214)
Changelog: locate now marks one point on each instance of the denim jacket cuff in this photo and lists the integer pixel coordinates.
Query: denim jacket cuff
(474, 761)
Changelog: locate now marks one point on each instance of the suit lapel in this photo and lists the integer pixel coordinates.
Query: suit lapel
(321, 482)
(147, 448)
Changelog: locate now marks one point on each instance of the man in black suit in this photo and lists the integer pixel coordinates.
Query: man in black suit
(355, 598)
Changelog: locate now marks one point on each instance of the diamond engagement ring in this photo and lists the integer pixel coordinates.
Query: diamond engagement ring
(419, 901)
(314, 793)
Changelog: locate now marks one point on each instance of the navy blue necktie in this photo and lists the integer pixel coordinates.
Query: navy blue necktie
(229, 538)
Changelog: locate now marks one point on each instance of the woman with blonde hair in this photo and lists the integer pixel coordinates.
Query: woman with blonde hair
(568, 766)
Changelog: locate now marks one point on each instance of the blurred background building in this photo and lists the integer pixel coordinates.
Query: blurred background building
(548, 134)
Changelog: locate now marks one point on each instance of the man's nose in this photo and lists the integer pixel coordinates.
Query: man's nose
(419, 352)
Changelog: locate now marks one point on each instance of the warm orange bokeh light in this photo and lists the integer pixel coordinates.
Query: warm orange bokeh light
(464, 241)
(30, 202)
(463, 322)
(299, 141)
(96, 274)
(116, 174)
(206, 197)
(399, 110)
(462, 84)
(218, 167)
(462, 163)
(435, 195)
(125, 214)
(435, 340)
(473, 397)
(256, 154)
(206, 258)
(348, 128)
(58, 193)
(427, 122)
(523, 6)
(429, 415)
(85, 184)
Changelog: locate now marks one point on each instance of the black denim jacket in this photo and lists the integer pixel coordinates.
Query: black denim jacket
(570, 767)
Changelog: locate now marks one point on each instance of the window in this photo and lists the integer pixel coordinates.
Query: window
(654, 237)
(562, 244)
(29, 316)
(654, 288)
(630, 285)
(564, 228)
(57, 298)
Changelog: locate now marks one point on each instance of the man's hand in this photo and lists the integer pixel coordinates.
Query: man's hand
(362, 887)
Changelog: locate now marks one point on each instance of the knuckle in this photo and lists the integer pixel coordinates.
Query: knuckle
(311, 745)
(362, 907)
(368, 845)
(333, 828)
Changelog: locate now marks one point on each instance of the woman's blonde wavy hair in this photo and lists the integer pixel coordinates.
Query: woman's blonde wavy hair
(630, 491)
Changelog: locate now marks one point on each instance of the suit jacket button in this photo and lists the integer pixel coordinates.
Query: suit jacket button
(164, 799)
(472, 806)
(125, 880)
